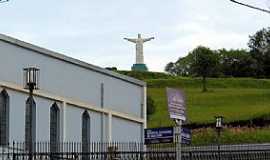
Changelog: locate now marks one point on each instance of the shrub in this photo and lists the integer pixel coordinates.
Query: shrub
(151, 108)
(146, 75)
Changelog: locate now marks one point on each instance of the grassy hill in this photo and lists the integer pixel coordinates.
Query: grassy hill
(239, 100)
(235, 99)
(244, 102)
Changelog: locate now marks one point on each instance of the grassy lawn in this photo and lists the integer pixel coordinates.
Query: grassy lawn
(237, 99)
(234, 103)
(231, 135)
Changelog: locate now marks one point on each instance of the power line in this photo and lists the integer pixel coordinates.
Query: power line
(3, 1)
(250, 6)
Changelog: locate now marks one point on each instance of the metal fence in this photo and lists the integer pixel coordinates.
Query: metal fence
(130, 151)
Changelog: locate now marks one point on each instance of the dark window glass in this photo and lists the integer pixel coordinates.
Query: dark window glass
(4, 118)
(85, 133)
(54, 127)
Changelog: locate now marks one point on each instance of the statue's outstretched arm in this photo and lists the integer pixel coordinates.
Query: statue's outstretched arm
(148, 39)
(131, 40)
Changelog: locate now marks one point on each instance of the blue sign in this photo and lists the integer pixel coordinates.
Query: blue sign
(186, 136)
(165, 135)
(158, 135)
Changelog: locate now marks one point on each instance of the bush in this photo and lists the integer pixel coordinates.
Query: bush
(151, 108)
(146, 75)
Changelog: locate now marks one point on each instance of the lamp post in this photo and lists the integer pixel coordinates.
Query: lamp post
(31, 82)
(219, 126)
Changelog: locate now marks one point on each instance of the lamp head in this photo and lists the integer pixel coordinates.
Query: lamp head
(31, 78)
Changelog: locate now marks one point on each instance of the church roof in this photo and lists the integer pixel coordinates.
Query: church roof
(68, 59)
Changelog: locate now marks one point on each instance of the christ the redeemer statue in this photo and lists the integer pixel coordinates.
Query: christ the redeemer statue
(139, 52)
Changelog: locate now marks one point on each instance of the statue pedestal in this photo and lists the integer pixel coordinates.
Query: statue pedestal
(139, 67)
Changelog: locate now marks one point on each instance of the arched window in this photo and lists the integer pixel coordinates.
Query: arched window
(4, 118)
(54, 127)
(30, 123)
(85, 132)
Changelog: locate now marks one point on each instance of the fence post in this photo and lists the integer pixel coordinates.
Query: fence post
(190, 155)
(218, 151)
(142, 150)
(13, 153)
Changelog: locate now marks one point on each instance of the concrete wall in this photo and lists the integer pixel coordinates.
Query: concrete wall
(73, 120)
(17, 117)
(68, 80)
(126, 131)
(73, 127)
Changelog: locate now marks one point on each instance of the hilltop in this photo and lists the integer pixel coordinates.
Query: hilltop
(244, 102)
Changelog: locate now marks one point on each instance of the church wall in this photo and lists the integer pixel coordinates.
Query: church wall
(73, 126)
(126, 131)
(95, 127)
(72, 82)
(68, 80)
(43, 119)
(72, 122)
(128, 101)
(17, 117)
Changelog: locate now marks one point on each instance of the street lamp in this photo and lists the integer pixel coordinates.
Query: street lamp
(219, 126)
(30, 82)
(31, 79)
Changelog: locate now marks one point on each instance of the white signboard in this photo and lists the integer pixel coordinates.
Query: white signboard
(176, 104)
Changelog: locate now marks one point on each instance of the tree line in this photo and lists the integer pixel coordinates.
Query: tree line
(252, 62)
(205, 62)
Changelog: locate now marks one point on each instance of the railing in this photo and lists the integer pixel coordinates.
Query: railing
(130, 151)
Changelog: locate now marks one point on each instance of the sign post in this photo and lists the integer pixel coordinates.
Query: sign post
(177, 111)
(178, 139)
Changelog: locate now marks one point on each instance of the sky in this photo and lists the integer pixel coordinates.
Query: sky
(93, 31)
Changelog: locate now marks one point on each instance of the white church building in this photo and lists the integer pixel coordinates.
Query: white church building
(75, 101)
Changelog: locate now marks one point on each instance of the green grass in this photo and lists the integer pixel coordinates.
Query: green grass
(231, 135)
(235, 99)
(211, 83)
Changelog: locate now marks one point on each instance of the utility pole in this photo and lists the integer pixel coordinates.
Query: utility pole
(250, 6)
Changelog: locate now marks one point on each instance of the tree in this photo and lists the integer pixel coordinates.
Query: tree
(111, 68)
(170, 68)
(181, 67)
(259, 45)
(204, 63)
(237, 63)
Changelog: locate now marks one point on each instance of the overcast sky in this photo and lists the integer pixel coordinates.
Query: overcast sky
(93, 30)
